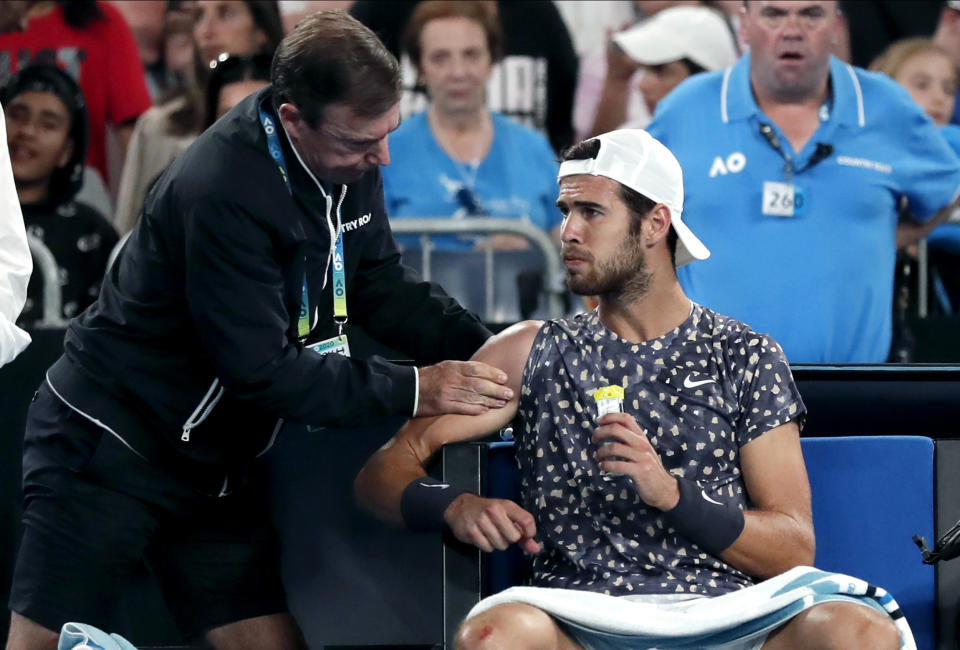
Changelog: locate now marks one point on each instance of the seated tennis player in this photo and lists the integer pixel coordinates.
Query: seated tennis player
(664, 497)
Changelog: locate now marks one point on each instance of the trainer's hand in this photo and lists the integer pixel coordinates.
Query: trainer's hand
(491, 524)
(625, 449)
(464, 387)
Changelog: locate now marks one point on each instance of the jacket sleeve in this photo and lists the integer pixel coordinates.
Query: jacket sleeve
(396, 308)
(234, 290)
(15, 260)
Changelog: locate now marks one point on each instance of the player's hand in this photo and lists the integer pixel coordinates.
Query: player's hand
(627, 451)
(491, 524)
(464, 387)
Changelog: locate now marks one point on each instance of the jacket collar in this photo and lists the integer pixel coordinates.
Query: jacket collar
(738, 103)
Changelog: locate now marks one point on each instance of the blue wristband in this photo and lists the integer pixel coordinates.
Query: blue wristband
(424, 501)
(710, 525)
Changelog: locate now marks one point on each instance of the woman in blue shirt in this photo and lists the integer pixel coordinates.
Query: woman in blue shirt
(457, 159)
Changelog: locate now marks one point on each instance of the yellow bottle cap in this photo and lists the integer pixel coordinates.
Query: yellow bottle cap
(608, 392)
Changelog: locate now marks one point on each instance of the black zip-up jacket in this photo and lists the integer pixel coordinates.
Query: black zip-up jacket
(191, 354)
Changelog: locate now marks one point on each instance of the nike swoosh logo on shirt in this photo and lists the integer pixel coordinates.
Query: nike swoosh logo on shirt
(703, 493)
(693, 384)
(442, 486)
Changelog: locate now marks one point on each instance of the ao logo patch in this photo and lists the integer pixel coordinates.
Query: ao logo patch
(733, 164)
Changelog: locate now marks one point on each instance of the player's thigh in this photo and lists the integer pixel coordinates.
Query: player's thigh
(514, 625)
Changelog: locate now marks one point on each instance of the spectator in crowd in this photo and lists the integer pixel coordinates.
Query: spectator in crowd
(16, 262)
(795, 164)
(237, 27)
(534, 82)
(458, 159)
(658, 441)
(608, 90)
(232, 78)
(47, 136)
(146, 21)
(165, 131)
(180, 53)
(675, 43)
(927, 72)
(947, 36)
(216, 324)
(90, 41)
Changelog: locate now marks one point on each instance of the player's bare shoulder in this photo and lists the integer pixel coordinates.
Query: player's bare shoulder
(509, 349)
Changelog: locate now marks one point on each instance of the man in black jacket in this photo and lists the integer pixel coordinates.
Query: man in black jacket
(221, 318)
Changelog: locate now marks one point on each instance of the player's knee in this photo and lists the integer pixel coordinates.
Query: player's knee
(880, 632)
(506, 626)
(848, 625)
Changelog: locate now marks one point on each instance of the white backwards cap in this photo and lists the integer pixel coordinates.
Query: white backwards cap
(636, 159)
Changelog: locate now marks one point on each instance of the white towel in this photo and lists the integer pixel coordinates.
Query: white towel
(620, 623)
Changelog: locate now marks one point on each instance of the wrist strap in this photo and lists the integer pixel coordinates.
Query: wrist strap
(424, 501)
(710, 525)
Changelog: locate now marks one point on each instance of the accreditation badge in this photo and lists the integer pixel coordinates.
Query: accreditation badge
(334, 345)
(784, 200)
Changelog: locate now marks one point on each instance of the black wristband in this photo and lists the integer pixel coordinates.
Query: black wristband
(711, 525)
(424, 501)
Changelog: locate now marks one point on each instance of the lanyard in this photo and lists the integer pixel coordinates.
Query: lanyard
(336, 234)
(822, 152)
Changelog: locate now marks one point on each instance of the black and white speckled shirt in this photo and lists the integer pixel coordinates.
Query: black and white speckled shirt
(700, 393)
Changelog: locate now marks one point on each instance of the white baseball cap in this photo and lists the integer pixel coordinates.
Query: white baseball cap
(636, 159)
(696, 33)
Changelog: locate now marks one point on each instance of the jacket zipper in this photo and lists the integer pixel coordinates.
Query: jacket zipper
(203, 409)
(273, 438)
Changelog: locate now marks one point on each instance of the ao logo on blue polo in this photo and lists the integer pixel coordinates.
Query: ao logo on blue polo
(733, 164)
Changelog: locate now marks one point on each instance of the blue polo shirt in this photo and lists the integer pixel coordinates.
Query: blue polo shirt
(517, 180)
(821, 281)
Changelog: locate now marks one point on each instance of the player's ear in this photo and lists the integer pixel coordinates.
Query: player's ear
(656, 224)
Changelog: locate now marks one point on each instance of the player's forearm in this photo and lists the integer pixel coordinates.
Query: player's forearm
(379, 486)
(771, 543)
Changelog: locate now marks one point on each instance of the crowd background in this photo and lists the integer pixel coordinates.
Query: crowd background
(481, 136)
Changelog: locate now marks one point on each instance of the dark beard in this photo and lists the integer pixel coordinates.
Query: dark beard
(624, 277)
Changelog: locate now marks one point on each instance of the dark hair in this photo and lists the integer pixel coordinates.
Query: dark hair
(692, 67)
(331, 57)
(233, 69)
(80, 13)
(64, 181)
(637, 204)
(266, 17)
(482, 12)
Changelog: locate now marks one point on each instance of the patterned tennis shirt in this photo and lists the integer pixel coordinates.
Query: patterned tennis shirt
(700, 393)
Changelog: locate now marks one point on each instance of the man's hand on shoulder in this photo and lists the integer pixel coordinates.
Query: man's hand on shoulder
(489, 381)
(463, 387)
(491, 524)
